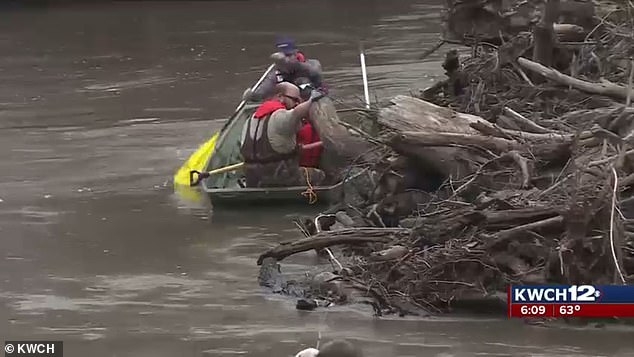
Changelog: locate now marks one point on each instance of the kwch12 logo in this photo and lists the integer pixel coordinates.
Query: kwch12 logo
(555, 294)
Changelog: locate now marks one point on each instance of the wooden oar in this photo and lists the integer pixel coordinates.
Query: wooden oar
(203, 175)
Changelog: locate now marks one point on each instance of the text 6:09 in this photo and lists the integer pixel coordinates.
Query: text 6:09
(533, 310)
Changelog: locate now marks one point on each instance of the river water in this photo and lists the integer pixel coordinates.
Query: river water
(100, 104)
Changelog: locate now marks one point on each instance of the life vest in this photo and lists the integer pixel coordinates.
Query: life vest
(268, 108)
(308, 135)
(262, 162)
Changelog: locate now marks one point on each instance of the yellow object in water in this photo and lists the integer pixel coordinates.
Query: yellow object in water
(198, 161)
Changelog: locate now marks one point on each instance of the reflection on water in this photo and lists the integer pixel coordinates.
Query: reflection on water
(102, 103)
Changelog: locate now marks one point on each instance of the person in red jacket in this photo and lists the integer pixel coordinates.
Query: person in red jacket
(307, 134)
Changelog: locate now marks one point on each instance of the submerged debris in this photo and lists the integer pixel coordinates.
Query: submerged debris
(517, 169)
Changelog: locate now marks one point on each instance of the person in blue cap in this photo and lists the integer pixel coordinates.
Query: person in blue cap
(286, 45)
(290, 65)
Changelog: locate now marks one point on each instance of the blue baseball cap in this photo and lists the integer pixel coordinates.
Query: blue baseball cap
(286, 45)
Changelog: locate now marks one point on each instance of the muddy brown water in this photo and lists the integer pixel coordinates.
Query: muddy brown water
(100, 104)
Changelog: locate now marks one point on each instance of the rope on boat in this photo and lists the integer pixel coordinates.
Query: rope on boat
(310, 192)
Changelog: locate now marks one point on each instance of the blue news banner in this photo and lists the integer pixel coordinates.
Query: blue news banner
(571, 301)
(33, 349)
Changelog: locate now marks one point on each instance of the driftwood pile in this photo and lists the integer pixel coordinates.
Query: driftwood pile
(518, 169)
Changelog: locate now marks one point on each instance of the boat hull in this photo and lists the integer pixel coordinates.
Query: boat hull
(273, 196)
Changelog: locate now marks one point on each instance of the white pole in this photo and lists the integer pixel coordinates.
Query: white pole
(365, 79)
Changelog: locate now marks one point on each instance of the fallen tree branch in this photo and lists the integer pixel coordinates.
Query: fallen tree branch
(506, 234)
(450, 139)
(524, 123)
(605, 87)
(496, 131)
(554, 186)
(329, 238)
(603, 134)
(513, 217)
(608, 159)
(365, 135)
(522, 73)
(522, 162)
(568, 29)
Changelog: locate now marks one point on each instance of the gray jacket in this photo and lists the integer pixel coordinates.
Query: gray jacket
(310, 69)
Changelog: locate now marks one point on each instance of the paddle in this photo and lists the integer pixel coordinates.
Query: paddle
(199, 159)
(203, 175)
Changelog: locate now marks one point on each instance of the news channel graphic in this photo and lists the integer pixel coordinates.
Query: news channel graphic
(601, 301)
(33, 348)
